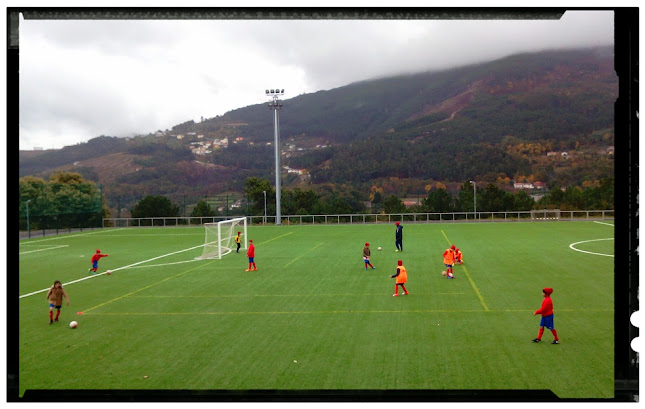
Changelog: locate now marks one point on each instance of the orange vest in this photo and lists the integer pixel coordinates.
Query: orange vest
(448, 257)
(402, 278)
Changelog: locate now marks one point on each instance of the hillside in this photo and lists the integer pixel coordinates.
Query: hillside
(502, 121)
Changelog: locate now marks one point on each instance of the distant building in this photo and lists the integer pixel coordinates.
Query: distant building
(522, 185)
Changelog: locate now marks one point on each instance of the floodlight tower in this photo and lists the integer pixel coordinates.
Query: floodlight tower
(275, 104)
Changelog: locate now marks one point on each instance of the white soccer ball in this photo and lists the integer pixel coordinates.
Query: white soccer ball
(73, 324)
(450, 275)
(379, 249)
(443, 273)
(108, 272)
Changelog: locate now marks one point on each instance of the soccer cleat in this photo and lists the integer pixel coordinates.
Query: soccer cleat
(248, 269)
(396, 251)
(406, 293)
(255, 269)
(51, 321)
(555, 341)
(373, 268)
(536, 340)
(395, 295)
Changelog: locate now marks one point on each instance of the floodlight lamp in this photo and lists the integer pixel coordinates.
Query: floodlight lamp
(282, 92)
(267, 91)
(272, 91)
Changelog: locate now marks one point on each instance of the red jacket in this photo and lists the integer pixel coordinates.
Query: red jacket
(547, 307)
(97, 256)
(251, 251)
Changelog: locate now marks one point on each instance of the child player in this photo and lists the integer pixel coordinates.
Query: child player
(401, 278)
(238, 241)
(459, 258)
(547, 316)
(55, 297)
(398, 235)
(366, 256)
(95, 261)
(250, 253)
(449, 260)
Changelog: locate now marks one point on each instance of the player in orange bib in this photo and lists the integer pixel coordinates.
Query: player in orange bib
(459, 258)
(401, 278)
(449, 260)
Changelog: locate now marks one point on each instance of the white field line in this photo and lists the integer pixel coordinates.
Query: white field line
(571, 246)
(166, 264)
(606, 224)
(71, 236)
(116, 269)
(48, 248)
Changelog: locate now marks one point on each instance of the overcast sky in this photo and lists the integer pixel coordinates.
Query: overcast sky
(83, 78)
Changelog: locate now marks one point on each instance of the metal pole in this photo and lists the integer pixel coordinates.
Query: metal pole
(277, 169)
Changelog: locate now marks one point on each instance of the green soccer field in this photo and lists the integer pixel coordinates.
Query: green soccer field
(312, 318)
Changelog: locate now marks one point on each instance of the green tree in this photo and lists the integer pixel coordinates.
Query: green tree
(155, 206)
(393, 204)
(202, 209)
(438, 201)
(254, 188)
(522, 201)
(491, 199)
(466, 198)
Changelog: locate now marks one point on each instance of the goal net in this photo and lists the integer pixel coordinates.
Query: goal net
(219, 238)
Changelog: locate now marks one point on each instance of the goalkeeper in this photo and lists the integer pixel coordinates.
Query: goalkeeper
(238, 241)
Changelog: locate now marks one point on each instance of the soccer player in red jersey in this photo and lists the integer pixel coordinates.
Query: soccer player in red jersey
(250, 253)
(449, 260)
(366, 256)
(401, 278)
(95, 261)
(547, 316)
(459, 258)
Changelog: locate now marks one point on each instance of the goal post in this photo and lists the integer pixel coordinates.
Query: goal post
(219, 238)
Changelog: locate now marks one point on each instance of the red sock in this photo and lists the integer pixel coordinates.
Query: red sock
(396, 289)
(555, 334)
(254, 266)
(51, 315)
(540, 333)
(57, 313)
(404, 290)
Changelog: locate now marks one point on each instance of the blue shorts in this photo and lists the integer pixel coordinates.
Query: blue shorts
(54, 306)
(250, 259)
(547, 322)
(448, 265)
(366, 260)
(95, 264)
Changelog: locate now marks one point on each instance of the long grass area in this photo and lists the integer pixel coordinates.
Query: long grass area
(312, 318)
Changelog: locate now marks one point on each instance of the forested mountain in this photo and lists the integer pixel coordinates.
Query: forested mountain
(546, 116)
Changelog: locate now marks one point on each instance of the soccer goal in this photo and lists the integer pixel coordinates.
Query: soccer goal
(545, 214)
(219, 237)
